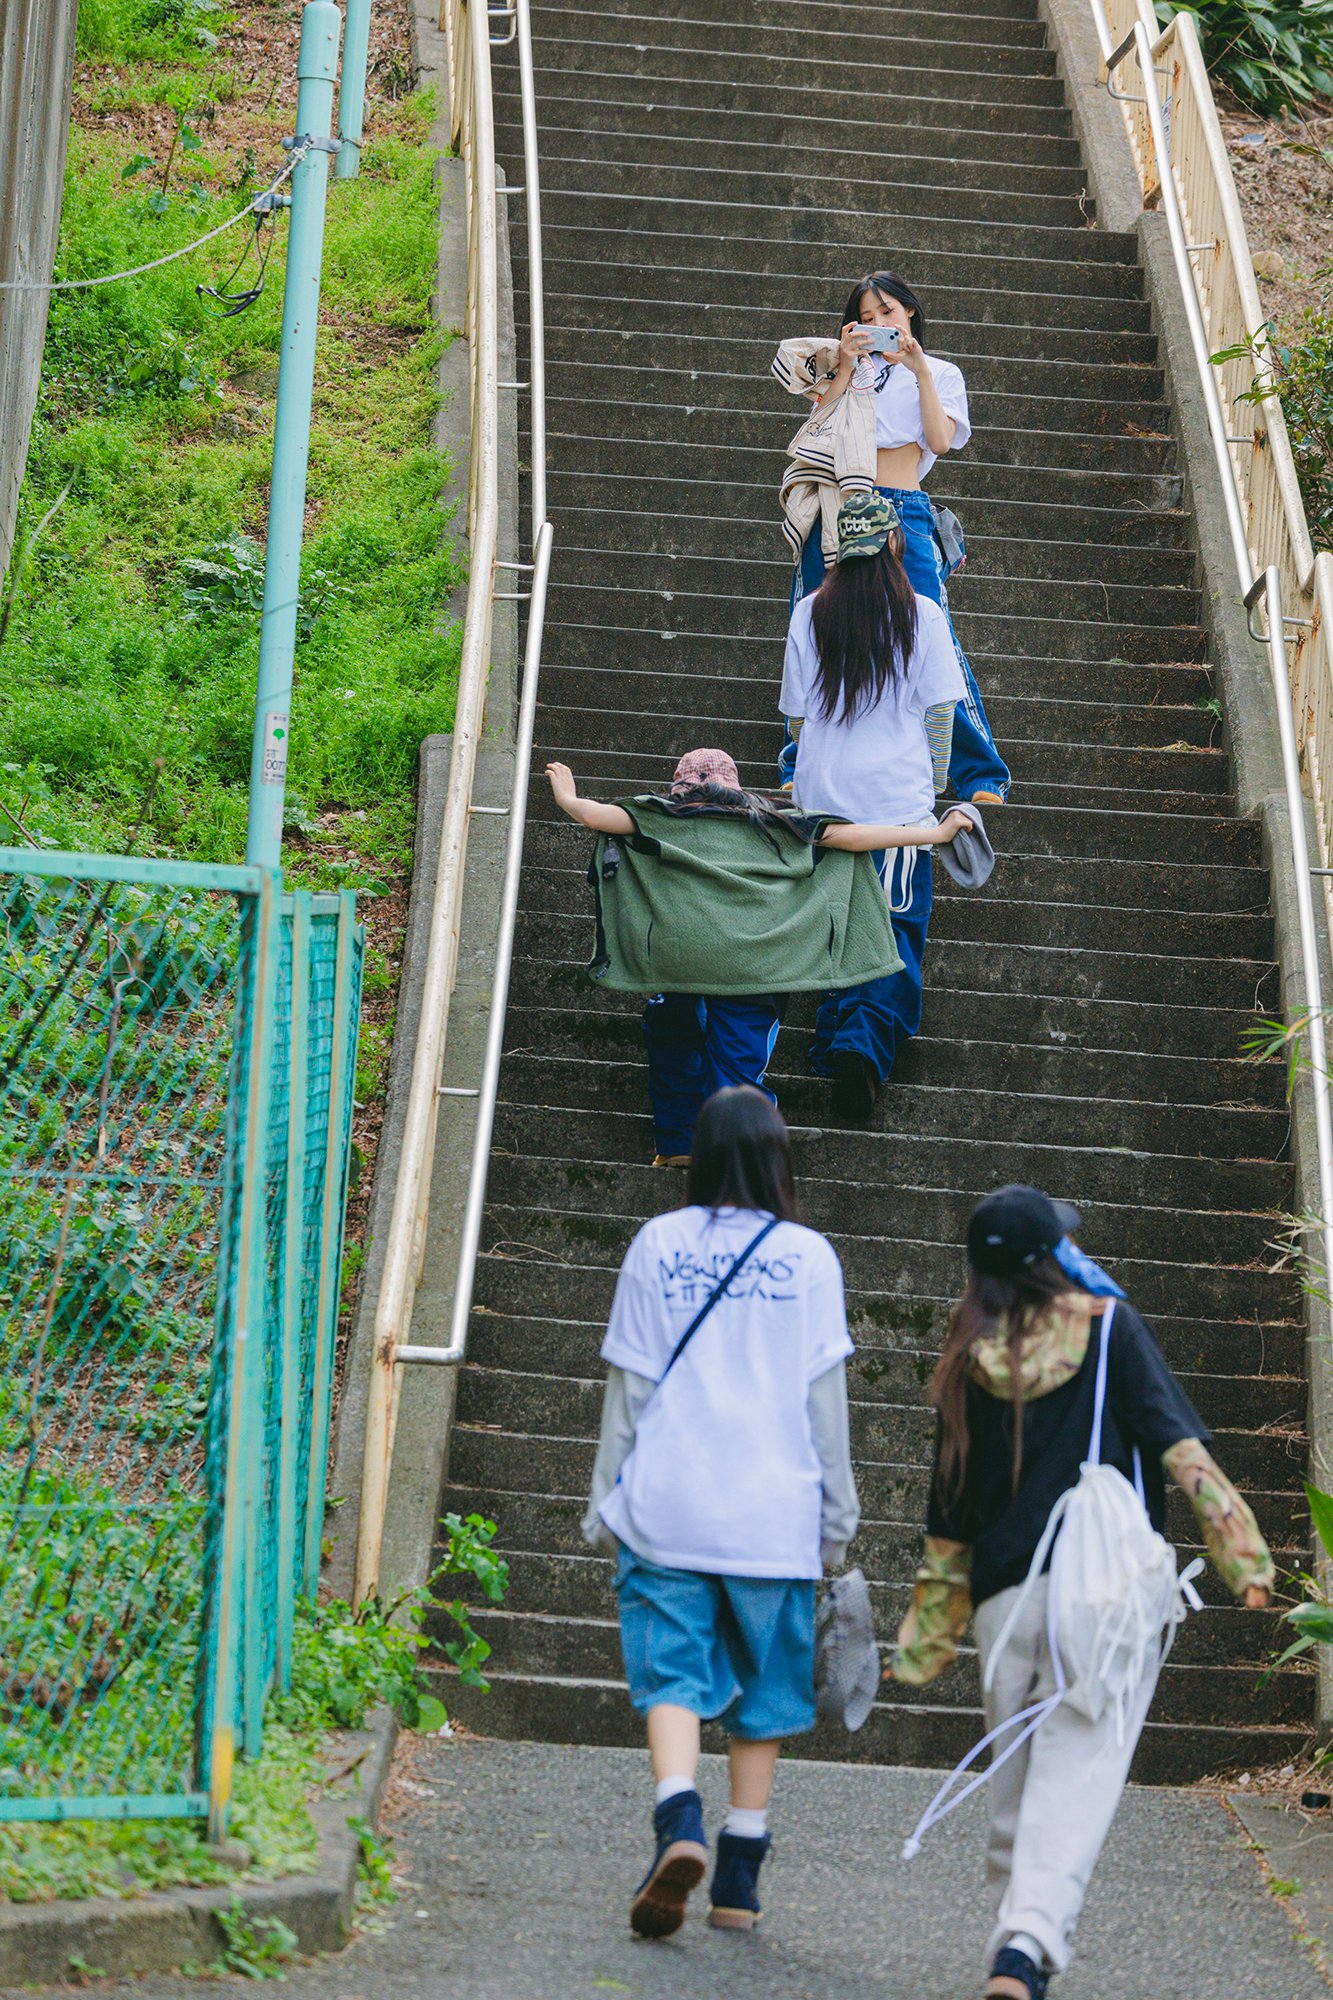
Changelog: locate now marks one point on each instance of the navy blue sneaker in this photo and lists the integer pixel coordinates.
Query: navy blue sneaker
(658, 1908)
(735, 1891)
(1014, 1977)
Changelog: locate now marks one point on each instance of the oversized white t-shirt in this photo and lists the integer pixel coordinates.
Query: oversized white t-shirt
(877, 767)
(723, 1476)
(898, 417)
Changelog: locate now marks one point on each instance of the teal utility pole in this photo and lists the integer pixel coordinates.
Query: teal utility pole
(316, 70)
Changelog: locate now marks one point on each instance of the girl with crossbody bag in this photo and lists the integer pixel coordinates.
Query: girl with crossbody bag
(724, 1484)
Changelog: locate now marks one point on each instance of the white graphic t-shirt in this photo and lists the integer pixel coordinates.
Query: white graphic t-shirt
(723, 1476)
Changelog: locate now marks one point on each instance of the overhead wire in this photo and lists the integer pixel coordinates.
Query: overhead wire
(299, 152)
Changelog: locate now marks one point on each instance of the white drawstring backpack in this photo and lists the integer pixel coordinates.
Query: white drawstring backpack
(1113, 1603)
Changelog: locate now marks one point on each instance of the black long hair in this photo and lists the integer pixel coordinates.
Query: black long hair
(864, 623)
(1016, 1304)
(760, 811)
(888, 285)
(741, 1156)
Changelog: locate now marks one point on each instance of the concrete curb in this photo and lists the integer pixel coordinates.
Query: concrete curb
(1244, 682)
(158, 1933)
(1298, 1848)
(426, 1400)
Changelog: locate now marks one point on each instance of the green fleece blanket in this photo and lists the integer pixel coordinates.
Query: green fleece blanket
(705, 902)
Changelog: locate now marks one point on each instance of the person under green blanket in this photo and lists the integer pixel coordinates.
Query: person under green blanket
(716, 908)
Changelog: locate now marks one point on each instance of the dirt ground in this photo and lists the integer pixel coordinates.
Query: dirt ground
(1284, 176)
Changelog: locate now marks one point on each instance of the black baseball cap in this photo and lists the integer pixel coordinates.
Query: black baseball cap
(1015, 1227)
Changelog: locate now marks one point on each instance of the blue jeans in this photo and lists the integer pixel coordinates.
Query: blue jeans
(975, 765)
(696, 1046)
(874, 1020)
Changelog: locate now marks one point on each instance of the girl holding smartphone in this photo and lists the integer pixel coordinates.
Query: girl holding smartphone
(919, 412)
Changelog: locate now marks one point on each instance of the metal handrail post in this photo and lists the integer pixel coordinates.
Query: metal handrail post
(316, 68)
(450, 1356)
(407, 1226)
(536, 294)
(1175, 223)
(352, 89)
(1268, 585)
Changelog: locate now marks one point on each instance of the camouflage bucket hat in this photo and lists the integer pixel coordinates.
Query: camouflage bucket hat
(865, 523)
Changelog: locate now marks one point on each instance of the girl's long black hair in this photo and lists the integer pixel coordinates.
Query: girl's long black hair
(1015, 1305)
(888, 285)
(742, 1155)
(762, 813)
(865, 628)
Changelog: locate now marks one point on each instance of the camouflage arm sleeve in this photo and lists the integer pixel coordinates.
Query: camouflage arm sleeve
(1230, 1531)
(940, 1609)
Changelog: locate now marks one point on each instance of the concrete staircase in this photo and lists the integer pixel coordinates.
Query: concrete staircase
(715, 178)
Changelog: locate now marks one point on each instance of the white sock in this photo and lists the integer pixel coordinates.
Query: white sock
(668, 1787)
(1020, 1941)
(747, 1821)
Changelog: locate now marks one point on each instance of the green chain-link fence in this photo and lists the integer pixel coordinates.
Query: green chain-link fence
(177, 1046)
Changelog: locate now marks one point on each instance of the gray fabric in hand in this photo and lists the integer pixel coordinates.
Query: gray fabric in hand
(969, 856)
(847, 1668)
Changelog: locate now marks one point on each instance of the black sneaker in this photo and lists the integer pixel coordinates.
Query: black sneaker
(855, 1085)
(735, 1891)
(658, 1908)
(1014, 1977)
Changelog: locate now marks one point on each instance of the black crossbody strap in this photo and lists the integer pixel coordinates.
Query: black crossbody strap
(714, 1296)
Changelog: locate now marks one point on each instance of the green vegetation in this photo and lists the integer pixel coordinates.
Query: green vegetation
(1303, 370)
(133, 616)
(344, 1664)
(1273, 54)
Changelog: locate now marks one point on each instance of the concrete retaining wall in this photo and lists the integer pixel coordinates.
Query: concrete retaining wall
(36, 72)
(1244, 681)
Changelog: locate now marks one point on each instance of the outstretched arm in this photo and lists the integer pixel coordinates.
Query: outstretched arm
(588, 812)
(857, 839)
(1230, 1531)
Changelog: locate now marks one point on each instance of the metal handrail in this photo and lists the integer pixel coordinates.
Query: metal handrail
(1267, 586)
(473, 118)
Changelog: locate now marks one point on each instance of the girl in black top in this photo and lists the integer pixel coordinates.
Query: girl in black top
(1013, 1394)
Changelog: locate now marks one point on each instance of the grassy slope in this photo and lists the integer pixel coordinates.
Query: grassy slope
(157, 413)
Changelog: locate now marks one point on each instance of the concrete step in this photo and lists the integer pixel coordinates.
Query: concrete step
(742, 366)
(1198, 1131)
(894, 1289)
(1178, 689)
(550, 1524)
(997, 20)
(996, 587)
(893, 186)
(1078, 1022)
(1183, 1275)
(583, 257)
(641, 539)
(1014, 718)
(1038, 142)
(644, 139)
(1074, 1159)
(695, 510)
(1189, 771)
(813, 86)
(893, 1374)
(966, 321)
(528, 1643)
(580, 1586)
(579, 1711)
(619, 616)
(952, 1049)
(887, 39)
(1028, 829)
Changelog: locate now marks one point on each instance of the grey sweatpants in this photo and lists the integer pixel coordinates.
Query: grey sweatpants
(1053, 1802)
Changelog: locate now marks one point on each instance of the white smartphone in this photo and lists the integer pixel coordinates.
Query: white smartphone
(884, 339)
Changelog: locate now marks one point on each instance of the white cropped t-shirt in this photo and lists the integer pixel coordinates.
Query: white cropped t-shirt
(898, 406)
